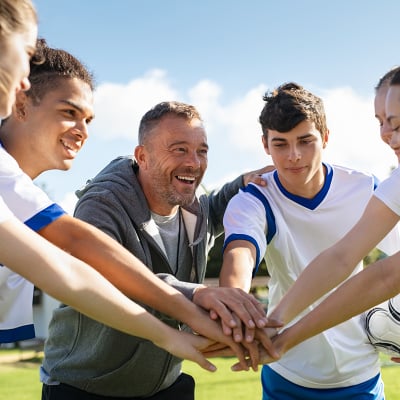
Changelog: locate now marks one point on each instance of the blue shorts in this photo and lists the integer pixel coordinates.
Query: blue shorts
(275, 387)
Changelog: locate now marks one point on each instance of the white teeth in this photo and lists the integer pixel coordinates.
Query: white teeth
(186, 178)
(68, 146)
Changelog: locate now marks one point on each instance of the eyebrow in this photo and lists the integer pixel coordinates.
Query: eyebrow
(76, 106)
(185, 142)
(391, 117)
(281, 139)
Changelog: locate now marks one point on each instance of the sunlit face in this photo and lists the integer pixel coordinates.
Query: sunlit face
(297, 156)
(392, 109)
(16, 50)
(380, 113)
(172, 163)
(54, 130)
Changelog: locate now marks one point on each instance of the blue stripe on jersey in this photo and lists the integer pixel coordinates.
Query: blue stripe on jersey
(313, 203)
(248, 238)
(275, 387)
(16, 334)
(268, 210)
(45, 217)
(376, 181)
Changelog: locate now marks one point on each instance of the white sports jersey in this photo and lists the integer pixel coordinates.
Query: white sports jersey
(290, 231)
(5, 212)
(388, 191)
(32, 206)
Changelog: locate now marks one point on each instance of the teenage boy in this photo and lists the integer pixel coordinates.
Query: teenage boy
(306, 207)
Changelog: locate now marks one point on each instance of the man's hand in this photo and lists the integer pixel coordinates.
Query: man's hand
(256, 176)
(222, 301)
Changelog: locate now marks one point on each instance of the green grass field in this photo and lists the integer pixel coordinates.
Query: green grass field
(20, 381)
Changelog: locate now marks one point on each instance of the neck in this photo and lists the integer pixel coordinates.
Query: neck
(11, 142)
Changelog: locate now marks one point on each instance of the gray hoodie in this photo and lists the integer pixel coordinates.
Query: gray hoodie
(91, 356)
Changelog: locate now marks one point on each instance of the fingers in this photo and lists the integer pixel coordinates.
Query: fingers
(253, 353)
(264, 337)
(200, 359)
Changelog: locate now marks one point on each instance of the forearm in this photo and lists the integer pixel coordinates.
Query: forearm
(323, 274)
(237, 266)
(378, 282)
(117, 265)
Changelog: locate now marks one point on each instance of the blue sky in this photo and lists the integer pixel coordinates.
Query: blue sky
(222, 56)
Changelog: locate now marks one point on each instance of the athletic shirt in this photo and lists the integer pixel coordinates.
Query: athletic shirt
(389, 192)
(32, 206)
(5, 213)
(290, 231)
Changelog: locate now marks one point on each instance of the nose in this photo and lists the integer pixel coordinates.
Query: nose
(82, 130)
(193, 160)
(386, 132)
(294, 154)
(394, 141)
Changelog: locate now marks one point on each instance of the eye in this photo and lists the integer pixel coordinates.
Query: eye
(203, 152)
(180, 150)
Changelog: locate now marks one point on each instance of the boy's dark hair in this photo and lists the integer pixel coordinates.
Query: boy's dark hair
(49, 65)
(154, 115)
(289, 105)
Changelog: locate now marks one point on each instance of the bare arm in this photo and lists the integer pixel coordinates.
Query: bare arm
(75, 283)
(379, 282)
(128, 274)
(335, 264)
(237, 266)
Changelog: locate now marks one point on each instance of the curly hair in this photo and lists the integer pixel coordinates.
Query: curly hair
(288, 105)
(49, 65)
(154, 115)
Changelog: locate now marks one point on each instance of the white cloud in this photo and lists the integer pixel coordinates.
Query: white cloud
(232, 126)
(119, 108)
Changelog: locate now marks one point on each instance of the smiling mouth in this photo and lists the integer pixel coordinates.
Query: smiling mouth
(186, 179)
(70, 149)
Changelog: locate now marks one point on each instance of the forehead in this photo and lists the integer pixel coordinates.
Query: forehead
(70, 90)
(172, 128)
(379, 101)
(392, 104)
(300, 130)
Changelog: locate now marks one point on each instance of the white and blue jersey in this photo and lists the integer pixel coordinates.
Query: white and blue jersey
(289, 231)
(33, 207)
(389, 193)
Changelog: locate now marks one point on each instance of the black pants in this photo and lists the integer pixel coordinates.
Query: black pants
(181, 389)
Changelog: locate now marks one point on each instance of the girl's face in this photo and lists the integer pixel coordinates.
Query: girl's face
(16, 49)
(380, 113)
(392, 110)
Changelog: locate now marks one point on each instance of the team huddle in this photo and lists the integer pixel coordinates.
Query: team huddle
(129, 266)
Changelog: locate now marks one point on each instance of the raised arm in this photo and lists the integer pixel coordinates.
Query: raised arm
(379, 282)
(80, 286)
(336, 263)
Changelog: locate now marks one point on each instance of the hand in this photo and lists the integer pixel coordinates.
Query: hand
(191, 347)
(396, 359)
(222, 301)
(256, 176)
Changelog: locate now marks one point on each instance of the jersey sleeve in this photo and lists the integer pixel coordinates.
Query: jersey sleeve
(245, 219)
(27, 201)
(388, 191)
(5, 213)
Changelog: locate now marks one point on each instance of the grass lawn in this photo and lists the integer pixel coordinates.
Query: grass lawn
(20, 381)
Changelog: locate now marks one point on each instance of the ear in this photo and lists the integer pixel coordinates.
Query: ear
(265, 144)
(20, 106)
(141, 156)
(325, 139)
